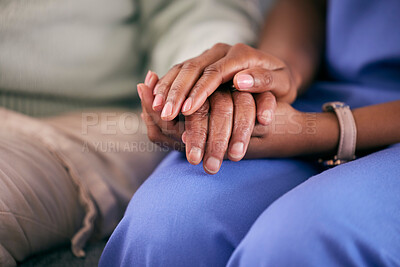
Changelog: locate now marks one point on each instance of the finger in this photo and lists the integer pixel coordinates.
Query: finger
(213, 76)
(266, 106)
(145, 97)
(153, 131)
(260, 130)
(156, 136)
(151, 80)
(146, 80)
(240, 57)
(243, 124)
(188, 75)
(196, 129)
(259, 80)
(172, 129)
(220, 128)
(161, 89)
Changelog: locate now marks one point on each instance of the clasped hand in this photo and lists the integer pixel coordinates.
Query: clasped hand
(223, 123)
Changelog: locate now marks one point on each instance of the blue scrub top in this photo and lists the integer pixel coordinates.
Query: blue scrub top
(362, 55)
(363, 42)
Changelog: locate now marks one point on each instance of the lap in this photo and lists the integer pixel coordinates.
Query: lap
(180, 209)
(39, 203)
(61, 182)
(348, 215)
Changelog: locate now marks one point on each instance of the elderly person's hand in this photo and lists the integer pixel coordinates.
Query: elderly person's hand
(228, 118)
(166, 134)
(224, 123)
(186, 86)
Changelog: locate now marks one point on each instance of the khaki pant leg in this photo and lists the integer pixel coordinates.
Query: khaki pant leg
(97, 160)
(39, 203)
(115, 144)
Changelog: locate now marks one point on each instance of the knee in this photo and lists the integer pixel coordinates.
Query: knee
(39, 206)
(295, 231)
(172, 225)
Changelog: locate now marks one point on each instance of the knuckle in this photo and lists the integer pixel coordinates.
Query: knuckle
(177, 66)
(221, 139)
(153, 136)
(267, 79)
(220, 96)
(197, 117)
(225, 114)
(218, 146)
(212, 70)
(224, 109)
(221, 129)
(197, 91)
(204, 109)
(176, 88)
(198, 133)
(221, 46)
(221, 103)
(265, 103)
(190, 66)
(162, 86)
(267, 97)
(243, 128)
(241, 47)
(244, 100)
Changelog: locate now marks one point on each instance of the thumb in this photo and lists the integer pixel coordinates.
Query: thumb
(254, 80)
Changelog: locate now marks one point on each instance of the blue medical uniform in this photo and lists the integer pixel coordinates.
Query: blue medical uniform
(285, 212)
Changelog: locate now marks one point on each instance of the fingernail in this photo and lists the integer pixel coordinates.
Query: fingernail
(167, 110)
(139, 90)
(195, 155)
(158, 100)
(267, 116)
(212, 165)
(187, 105)
(147, 80)
(237, 150)
(245, 81)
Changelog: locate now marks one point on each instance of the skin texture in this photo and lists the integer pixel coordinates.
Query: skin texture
(218, 120)
(288, 135)
(187, 86)
(285, 62)
(212, 133)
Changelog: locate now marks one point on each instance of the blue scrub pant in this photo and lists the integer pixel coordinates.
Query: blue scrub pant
(268, 212)
(263, 213)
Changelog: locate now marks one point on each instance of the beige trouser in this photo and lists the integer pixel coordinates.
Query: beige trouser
(67, 178)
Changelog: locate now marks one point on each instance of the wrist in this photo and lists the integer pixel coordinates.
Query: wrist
(322, 135)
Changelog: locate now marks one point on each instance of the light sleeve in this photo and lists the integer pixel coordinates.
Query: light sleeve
(182, 29)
